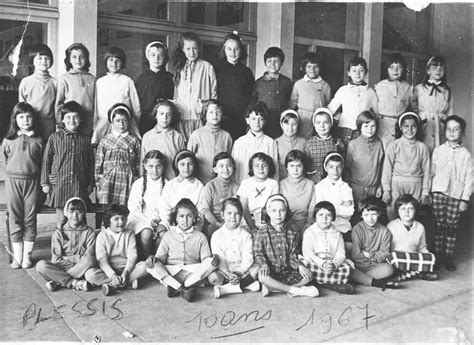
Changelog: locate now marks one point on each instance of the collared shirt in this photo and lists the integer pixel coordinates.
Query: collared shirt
(354, 99)
(246, 146)
(451, 166)
(175, 249)
(234, 248)
(337, 193)
(277, 249)
(393, 96)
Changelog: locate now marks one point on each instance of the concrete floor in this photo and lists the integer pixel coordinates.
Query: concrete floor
(420, 312)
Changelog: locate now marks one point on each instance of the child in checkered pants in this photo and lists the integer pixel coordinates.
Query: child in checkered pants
(324, 253)
(275, 250)
(408, 246)
(451, 171)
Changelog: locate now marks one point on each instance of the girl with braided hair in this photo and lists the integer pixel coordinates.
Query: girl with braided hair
(145, 197)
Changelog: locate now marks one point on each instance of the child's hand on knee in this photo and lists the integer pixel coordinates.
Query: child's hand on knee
(150, 261)
(264, 271)
(116, 280)
(328, 267)
(46, 189)
(463, 206)
(305, 272)
(234, 278)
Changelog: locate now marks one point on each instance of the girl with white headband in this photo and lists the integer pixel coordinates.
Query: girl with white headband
(275, 250)
(154, 83)
(117, 162)
(433, 101)
(114, 87)
(406, 168)
(289, 140)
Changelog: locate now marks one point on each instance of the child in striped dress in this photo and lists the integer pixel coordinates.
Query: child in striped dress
(324, 142)
(118, 159)
(209, 140)
(68, 162)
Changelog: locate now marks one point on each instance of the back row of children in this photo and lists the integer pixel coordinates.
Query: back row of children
(233, 84)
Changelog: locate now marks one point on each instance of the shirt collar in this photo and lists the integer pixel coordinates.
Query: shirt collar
(434, 82)
(255, 135)
(118, 135)
(181, 232)
(337, 183)
(317, 80)
(29, 134)
(267, 77)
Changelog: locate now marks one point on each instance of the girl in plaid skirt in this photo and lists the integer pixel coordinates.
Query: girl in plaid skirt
(117, 161)
(275, 250)
(324, 253)
(450, 189)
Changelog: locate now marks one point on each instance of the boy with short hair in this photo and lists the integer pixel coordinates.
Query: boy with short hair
(354, 98)
(254, 141)
(116, 253)
(309, 93)
(39, 89)
(274, 89)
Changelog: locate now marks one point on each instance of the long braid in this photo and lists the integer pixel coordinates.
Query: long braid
(142, 200)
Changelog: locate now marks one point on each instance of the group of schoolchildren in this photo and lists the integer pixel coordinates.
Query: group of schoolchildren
(209, 176)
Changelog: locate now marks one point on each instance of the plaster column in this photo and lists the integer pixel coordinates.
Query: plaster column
(77, 23)
(275, 28)
(372, 40)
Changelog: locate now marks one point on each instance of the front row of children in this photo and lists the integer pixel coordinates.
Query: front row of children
(270, 260)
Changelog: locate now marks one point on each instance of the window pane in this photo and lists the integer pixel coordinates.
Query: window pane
(404, 29)
(325, 21)
(10, 34)
(157, 9)
(133, 43)
(224, 14)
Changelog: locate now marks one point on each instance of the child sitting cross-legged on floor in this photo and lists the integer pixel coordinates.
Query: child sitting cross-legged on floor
(116, 253)
(72, 250)
(276, 252)
(233, 245)
(183, 258)
(408, 246)
(323, 251)
(371, 248)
